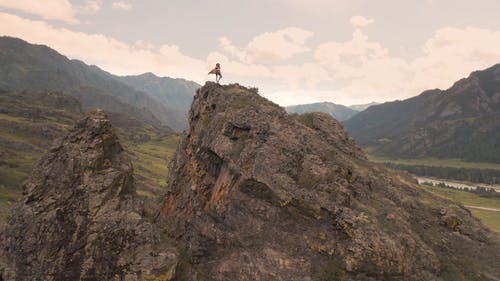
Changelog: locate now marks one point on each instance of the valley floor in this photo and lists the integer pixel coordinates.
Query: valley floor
(486, 209)
(457, 184)
(436, 162)
(150, 160)
(456, 174)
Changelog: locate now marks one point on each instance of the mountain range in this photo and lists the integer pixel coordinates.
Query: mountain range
(339, 112)
(361, 107)
(175, 95)
(460, 122)
(25, 66)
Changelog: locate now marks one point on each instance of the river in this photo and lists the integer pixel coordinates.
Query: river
(456, 184)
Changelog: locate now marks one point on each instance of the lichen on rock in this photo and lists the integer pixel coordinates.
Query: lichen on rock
(257, 194)
(80, 218)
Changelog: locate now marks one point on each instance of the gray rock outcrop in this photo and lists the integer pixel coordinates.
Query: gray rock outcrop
(80, 218)
(257, 194)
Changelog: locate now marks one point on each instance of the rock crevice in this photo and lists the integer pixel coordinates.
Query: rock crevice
(257, 194)
(80, 217)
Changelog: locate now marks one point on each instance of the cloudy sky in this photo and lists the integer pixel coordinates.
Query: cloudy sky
(294, 51)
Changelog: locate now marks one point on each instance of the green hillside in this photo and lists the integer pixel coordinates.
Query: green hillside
(31, 121)
(490, 218)
(25, 66)
(443, 168)
(462, 122)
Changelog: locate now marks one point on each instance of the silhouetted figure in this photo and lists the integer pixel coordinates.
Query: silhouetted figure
(217, 73)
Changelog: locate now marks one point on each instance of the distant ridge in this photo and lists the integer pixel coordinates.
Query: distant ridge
(174, 94)
(460, 122)
(338, 111)
(25, 66)
(361, 107)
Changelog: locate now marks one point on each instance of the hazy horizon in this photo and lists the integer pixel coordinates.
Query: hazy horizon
(295, 52)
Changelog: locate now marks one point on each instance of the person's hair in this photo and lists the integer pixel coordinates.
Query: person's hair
(217, 64)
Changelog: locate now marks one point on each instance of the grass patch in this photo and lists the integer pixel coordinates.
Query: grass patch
(16, 166)
(489, 218)
(151, 160)
(435, 162)
(14, 169)
(11, 118)
(9, 194)
(451, 169)
(464, 197)
(12, 177)
(332, 272)
(306, 119)
(31, 121)
(8, 197)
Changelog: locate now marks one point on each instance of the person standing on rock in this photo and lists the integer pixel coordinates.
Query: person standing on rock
(217, 73)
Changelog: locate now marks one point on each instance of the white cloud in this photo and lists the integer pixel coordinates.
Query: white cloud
(283, 64)
(238, 68)
(122, 5)
(368, 71)
(61, 10)
(294, 97)
(452, 53)
(233, 51)
(310, 6)
(300, 76)
(364, 70)
(280, 45)
(106, 52)
(360, 21)
(91, 6)
(266, 57)
(364, 67)
(344, 59)
(270, 47)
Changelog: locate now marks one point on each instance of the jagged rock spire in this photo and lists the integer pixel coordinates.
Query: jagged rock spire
(80, 218)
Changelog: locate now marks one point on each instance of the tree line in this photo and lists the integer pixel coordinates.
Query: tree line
(488, 176)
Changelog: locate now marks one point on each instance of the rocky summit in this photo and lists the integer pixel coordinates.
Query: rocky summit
(80, 218)
(257, 194)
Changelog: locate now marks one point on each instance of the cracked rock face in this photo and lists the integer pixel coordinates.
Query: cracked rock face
(257, 194)
(80, 218)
